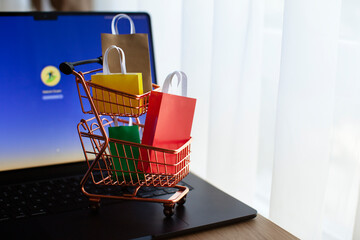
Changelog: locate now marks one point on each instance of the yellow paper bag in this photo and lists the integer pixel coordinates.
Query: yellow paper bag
(115, 100)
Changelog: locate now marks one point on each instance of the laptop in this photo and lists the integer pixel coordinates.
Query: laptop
(41, 159)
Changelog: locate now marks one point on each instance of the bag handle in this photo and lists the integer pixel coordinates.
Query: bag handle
(181, 76)
(115, 20)
(106, 69)
(116, 122)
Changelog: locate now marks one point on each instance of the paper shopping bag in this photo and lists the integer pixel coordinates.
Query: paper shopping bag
(124, 156)
(108, 101)
(136, 47)
(168, 125)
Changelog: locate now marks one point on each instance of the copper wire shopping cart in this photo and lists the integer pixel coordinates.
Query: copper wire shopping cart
(121, 169)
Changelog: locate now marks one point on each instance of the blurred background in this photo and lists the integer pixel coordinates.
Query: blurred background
(277, 82)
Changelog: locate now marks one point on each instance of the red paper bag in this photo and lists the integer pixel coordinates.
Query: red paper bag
(168, 125)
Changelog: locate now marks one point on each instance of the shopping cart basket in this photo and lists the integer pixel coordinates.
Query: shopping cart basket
(120, 167)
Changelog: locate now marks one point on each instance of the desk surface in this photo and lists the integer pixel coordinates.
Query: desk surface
(257, 228)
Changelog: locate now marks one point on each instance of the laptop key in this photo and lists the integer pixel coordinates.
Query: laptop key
(38, 201)
(148, 189)
(170, 190)
(5, 194)
(80, 200)
(38, 212)
(4, 217)
(20, 215)
(159, 192)
(146, 194)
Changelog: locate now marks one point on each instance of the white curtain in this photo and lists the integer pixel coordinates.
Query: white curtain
(277, 83)
(305, 115)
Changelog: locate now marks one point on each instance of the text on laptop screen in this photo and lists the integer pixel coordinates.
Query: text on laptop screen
(40, 107)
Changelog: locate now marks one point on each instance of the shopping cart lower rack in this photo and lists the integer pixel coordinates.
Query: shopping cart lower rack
(103, 170)
(128, 164)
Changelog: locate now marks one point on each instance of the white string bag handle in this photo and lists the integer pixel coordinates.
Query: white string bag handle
(181, 76)
(116, 122)
(106, 69)
(115, 20)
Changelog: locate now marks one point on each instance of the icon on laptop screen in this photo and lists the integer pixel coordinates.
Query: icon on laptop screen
(50, 76)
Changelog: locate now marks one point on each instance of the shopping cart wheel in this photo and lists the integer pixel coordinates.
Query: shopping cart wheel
(182, 201)
(94, 204)
(169, 209)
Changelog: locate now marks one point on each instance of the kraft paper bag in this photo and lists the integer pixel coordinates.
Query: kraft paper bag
(168, 125)
(126, 161)
(108, 102)
(136, 47)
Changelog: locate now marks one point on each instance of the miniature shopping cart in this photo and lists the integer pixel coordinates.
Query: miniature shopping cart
(109, 169)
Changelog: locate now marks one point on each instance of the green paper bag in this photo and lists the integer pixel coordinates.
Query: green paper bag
(127, 164)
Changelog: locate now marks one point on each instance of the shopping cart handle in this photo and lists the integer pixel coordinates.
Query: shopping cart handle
(68, 67)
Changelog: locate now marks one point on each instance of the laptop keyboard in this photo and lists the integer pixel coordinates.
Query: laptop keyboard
(61, 195)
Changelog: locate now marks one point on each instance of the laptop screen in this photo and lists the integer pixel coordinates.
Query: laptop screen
(38, 116)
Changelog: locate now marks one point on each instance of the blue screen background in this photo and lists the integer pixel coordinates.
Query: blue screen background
(36, 131)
